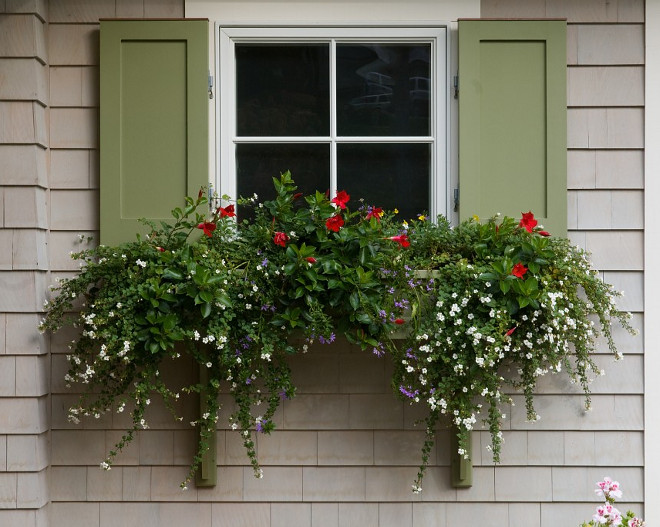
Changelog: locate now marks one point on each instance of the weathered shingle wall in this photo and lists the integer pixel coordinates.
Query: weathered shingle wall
(346, 450)
(24, 379)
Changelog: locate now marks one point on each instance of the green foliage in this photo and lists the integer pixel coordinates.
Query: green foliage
(504, 305)
(230, 299)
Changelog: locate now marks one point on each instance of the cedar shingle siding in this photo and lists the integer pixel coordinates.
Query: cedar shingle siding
(346, 450)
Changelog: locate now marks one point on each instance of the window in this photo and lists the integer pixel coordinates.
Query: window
(359, 109)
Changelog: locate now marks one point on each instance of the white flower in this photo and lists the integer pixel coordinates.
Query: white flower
(141, 263)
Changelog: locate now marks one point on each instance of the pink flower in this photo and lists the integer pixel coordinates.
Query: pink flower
(608, 514)
(280, 239)
(334, 223)
(527, 221)
(341, 199)
(208, 227)
(402, 240)
(609, 488)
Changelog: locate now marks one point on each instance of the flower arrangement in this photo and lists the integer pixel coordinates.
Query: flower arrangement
(229, 296)
(607, 513)
(505, 303)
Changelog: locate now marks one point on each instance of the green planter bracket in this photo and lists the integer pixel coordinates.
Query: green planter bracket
(461, 468)
(207, 473)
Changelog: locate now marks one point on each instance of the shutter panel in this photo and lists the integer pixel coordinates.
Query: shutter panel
(512, 119)
(153, 121)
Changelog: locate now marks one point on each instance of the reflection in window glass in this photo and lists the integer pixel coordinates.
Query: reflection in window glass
(383, 89)
(282, 90)
(258, 164)
(387, 175)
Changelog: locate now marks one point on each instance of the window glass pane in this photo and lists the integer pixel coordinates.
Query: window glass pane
(282, 90)
(258, 164)
(386, 175)
(383, 89)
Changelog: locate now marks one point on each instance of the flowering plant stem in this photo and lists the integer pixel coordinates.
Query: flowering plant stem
(607, 514)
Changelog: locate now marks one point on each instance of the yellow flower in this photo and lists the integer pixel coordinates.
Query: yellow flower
(405, 224)
(475, 218)
(396, 211)
(421, 217)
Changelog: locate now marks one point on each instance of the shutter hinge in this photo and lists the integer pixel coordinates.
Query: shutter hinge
(456, 199)
(210, 79)
(455, 86)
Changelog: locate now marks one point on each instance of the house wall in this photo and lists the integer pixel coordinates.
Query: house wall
(346, 450)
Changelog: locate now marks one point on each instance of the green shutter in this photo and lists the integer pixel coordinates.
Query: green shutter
(154, 120)
(512, 119)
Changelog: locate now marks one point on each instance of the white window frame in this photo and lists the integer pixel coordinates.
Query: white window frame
(437, 35)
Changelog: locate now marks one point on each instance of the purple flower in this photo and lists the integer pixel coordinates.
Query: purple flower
(408, 393)
(260, 425)
(378, 350)
(328, 340)
(264, 262)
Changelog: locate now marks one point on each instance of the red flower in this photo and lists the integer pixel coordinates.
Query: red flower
(374, 212)
(227, 211)
(311, 259)
(334, 223)
(280, 239)
(519, 270)
(399, 321)
(544, 233)
(527, 221)
(402, 240)
(341, 199)
(208, 227)
(160, 249)
(510, 332)
(296, 196)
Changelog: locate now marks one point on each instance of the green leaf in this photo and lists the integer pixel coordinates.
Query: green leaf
(171, 274)
(363, 318)
(206, 309)
(354, 300)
